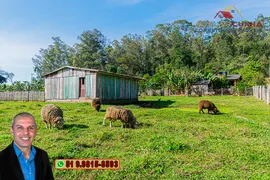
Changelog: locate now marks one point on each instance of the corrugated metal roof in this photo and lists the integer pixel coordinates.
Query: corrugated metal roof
(93, 70)
(233, 76)
(204, 82)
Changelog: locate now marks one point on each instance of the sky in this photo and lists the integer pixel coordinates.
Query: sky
(26, 26)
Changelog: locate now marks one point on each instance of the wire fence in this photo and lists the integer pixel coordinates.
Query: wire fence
(201, 92)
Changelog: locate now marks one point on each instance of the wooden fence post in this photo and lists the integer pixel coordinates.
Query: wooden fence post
(259, 92)
(267, 95)
(221, 93)
(256, 88)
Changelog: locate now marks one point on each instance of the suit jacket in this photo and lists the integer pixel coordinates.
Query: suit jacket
(10, 167)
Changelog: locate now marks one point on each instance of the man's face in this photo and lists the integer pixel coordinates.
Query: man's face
(24, 132)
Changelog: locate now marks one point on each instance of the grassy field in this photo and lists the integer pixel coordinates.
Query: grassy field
(173, 140)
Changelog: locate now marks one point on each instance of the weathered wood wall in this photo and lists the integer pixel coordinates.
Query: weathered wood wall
(90, 85)
(69, 72)
(68, 87)
(22, 96)
(116, 88)
(65, 85)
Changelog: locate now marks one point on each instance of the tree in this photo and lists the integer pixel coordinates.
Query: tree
(36, 84)
(180, 52)
(114, 53)
(252, 74)
(171, 55)
(157, 47)
(52, 58)
(160, 78)
(132, 59)
(2, 79)
(90, 52)
(5, 76)
(18, 86)
(9, 77)
(145, 83)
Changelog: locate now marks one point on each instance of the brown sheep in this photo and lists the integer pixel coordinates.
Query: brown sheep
(52, 115)
(96, 104)
(127, 118)
(204, 104)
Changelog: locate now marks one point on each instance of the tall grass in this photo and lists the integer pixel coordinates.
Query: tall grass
(173, 140)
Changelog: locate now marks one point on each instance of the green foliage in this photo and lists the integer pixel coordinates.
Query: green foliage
(2, 79)
(5, 76)
(252, 74)
(145, 84)
(52, 58)
(220, 83)
(90, 51)
(34, 85)
(168, 48)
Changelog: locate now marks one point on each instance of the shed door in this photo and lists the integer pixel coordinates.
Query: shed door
(82, 87)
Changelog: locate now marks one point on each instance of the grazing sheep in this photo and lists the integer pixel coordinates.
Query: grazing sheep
(128, 119)
(96, 104)
(204, 104)
(52, 115)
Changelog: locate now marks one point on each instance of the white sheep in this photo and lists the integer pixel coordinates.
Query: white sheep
(52, 115)
(127, 118)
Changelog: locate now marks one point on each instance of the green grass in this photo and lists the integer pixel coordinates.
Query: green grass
(173, 141)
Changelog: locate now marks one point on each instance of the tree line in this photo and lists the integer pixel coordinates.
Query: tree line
(172, 55)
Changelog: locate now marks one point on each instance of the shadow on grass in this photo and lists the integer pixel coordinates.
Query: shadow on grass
(155, 104)
(219, 113)
(213, 114)
(70, 126)
(102, 110)
(140, 125)
(144, 104)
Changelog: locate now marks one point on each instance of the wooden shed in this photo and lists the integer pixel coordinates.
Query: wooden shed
(201, 88)
(82, 84)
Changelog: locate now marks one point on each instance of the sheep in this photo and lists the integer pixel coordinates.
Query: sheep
(96, 104)
(128, 119)
(52, 115)
(204, 104)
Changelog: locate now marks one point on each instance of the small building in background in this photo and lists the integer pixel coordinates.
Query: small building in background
(82, 84)
(203, 87)
(233, 79)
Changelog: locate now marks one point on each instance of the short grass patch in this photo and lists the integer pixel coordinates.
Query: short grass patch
(173, 140)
